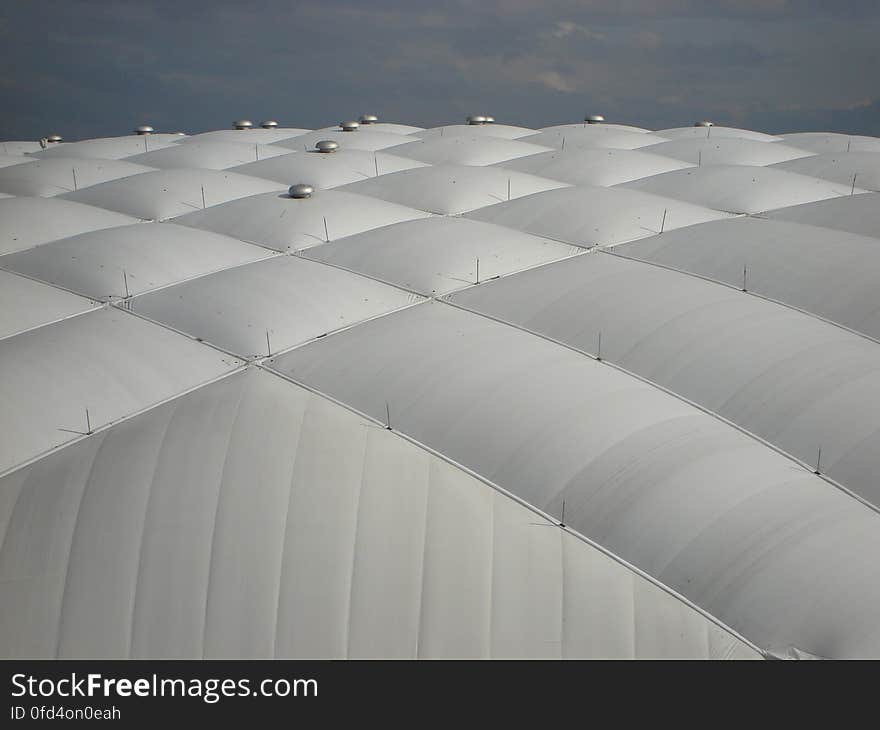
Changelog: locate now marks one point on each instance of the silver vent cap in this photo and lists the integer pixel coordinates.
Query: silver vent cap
(300, 190)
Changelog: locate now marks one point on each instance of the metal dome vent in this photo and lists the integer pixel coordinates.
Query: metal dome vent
(327, 145)
(269, 124)
(475, 119)
(704, 123)
(300, 190)
(490, 119)
(369, 119)
(243, 124)
(54, 138)
(594, 119)
(144, 129)
(350, 126)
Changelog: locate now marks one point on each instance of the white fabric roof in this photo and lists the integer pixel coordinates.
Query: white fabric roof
(715, 131)
(439, 254)
(595, 216)
(55, 176)
(117, 262)
(20, 147)
(503, 131)
(453, 189)
(853, 168)
(854, 213)
(823, 142)
(397, 525)
(725, 151)
(105, 361)
(740, 188)
(466, 150)
(168, 193)
(109, 148)
(245, 136)
(283, 223)
(246, 309)
(25, 303)
(594, 166)
(604, 127)
(17, 159)
(327, 170)
(589, 136)
(832, 274)
(208, 155)
(362, 139)
(708, 510)
(394, 128)
(28, 222)
(718, 347)
(348, 424)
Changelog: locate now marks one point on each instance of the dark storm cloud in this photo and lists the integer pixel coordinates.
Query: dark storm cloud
(89, 68)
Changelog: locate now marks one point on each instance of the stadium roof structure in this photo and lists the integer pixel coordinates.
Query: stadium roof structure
(479, 390)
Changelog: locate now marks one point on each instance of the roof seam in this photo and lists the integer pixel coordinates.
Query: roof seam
(128, 416)
(758, 295)
(808, 468)
(518, 500)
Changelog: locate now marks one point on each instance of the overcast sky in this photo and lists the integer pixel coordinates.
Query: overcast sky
(86, 68)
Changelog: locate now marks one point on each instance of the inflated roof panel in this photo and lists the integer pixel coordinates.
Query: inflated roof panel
(28, 222)
(858, 214)
(467, 150)
(268, 306)
(55, 176)
(782, 375)
(440, 254)
(596, 166)
(283, 223)
(726, 151)
(740, 188)
(831, 274)
(327, 170)
(114, 263)
(25, 303)
(106, 362)
(856, 169)
(453, 189)
(208, 155)
(595, 216)
(109, 148)
(168, 193)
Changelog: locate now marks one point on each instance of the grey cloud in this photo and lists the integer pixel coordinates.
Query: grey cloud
(87, 68)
